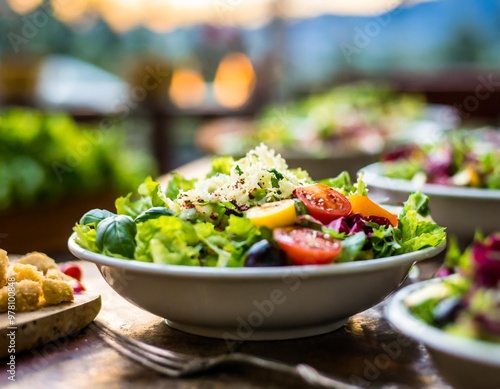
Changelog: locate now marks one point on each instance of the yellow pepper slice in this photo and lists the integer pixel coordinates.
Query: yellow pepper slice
(273, 215)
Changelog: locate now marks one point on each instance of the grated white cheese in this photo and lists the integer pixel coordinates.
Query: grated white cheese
(261, 168)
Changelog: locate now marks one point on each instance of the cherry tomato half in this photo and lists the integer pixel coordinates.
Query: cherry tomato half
(305, 246)
(323, 202)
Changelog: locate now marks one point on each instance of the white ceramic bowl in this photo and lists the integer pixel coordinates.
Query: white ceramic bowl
(464, 363)
(255, 303)
(460, 210)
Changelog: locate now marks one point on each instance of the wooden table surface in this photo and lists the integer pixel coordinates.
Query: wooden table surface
(366, 351)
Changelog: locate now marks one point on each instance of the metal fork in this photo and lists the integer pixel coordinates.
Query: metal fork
(174, 364)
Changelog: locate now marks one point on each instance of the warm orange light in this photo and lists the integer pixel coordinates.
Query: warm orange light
(23, 6)
(160, 16)
(234, 81)
(165, 15)
(70, 12)
(121, 15)
(187, 88)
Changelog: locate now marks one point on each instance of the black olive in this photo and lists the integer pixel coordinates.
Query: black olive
(264, 253)
(447, 310)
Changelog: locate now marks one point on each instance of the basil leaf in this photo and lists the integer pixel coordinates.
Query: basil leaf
(95, 216)
(115, 235)
(153, 213)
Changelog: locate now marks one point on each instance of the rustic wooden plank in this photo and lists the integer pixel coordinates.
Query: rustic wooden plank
(31, 329)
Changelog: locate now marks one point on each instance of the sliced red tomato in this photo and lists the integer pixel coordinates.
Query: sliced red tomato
(305, 246)
(323, 202)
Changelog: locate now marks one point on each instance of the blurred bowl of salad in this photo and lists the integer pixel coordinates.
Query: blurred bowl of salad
(457, 316)
(460, 172)
(53, 168)
(345, 128)
(255, 250)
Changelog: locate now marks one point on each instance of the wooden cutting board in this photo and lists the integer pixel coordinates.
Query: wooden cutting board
(32, 329)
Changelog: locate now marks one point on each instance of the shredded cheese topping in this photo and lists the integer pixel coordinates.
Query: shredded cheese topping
(261, 168)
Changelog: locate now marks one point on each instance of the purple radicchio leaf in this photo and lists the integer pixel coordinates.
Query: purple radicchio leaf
(490, 325)
(486, 260)
(439, 165)
(355, 223)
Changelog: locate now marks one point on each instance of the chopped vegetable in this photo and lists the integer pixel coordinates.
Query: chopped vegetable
(305, 246)
(72, 269)
(323, 202)
(418, 231)
(263, 253)
(366, 207)
(272, 215)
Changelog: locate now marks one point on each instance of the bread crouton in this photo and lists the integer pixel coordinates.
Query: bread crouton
(4, 265)
(40, 260)
(33, 282)
(56, 291)
(4, 296)
(27, 296)
(24, 272)
(56, 274)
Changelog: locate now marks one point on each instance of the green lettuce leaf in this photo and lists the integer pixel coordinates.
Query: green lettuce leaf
(386, 240)
(176, 184)
(418, 233)
(418, 202)
(351, 247)
(221, 165)
(418, 230)
(85, 237)
(402, 169)
(147, 197)
(167, 240)
(229, 246)
(343, 180)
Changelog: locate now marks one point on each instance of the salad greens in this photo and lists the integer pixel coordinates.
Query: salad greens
(459, 159)
(467, 301)
(203, 222)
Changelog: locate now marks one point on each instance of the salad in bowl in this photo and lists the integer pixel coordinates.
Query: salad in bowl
(460, 173)
(456, 315)
(255, 250)
(256, 212)
(350, 118)
(465, 158)
(467, 302)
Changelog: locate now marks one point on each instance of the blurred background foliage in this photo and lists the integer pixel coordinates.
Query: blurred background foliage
(45, 156)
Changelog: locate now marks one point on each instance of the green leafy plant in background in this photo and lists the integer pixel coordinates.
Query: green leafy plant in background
(48, 156)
